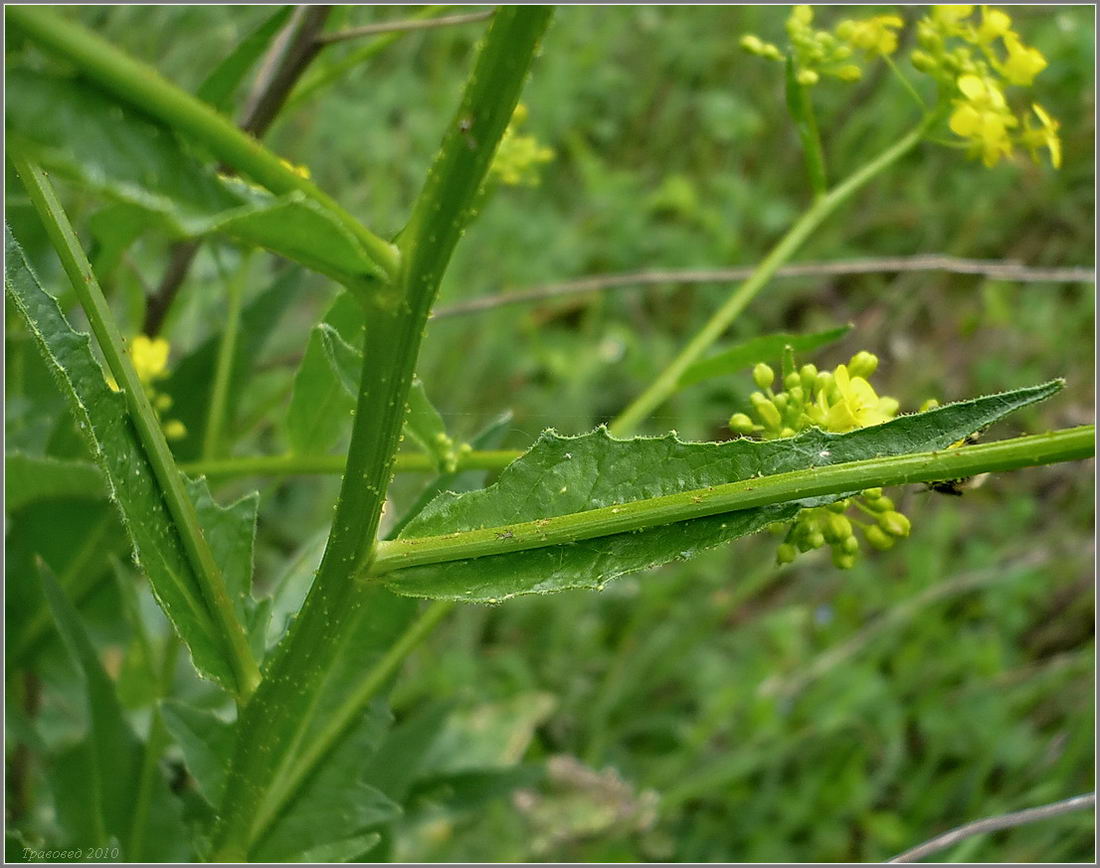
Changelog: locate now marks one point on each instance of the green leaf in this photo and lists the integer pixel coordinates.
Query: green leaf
(562, 476)
(97, 781)
(231, 533)
(760, 349)
(336, 806)
(218, 87)
(192, 379)
(80, 132)
(28, 478)
(114, 229)
(320, 406)
(105, 423)
(425, 426)
(207, 744)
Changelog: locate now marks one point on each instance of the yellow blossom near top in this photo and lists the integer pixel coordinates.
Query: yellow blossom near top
(949, 16)
(150, 358)
(1023, 63)
(995, 24)
(983, 118)
(1044, 137)
(874, 35)
(854, 404)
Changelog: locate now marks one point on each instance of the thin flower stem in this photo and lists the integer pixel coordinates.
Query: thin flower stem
(142, 86)
(1066, 445)
(667, 381)
(905, 82)
(207, 574)
(219, 393)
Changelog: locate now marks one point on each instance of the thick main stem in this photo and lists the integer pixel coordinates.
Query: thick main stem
(266, 769)
(666, 382)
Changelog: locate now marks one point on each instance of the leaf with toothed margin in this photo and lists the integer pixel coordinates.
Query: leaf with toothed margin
(565, 475)
(105, 424)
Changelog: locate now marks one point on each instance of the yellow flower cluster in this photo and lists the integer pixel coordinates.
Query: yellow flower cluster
(839, 401)
(815, 53)
(149, 357)
(518, 157)
(962, 53)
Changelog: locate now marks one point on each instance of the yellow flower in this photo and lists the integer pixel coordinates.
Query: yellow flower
(1023, 63)
(983, 118)
(518, 157)
(995, 23)
(874, 35)
(951, 15)
(855, 404)
(1044, 137)
(174, 429)
(150, 357)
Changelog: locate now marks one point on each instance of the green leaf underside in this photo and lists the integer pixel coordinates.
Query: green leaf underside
(77, 130)
(28, 478)
(206, 741)
(104, 422)
(567, 475)
(97, 780)
(742, 356)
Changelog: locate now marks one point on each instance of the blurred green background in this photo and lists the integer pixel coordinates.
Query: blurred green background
(723, 709)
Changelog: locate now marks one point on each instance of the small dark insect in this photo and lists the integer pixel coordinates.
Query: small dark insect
(506, 535)
(957, 487)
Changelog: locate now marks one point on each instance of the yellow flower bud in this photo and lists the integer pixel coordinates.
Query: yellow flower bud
(174, 429)
(763, 376)
(877, 538)
(894, 523)
(741, 424)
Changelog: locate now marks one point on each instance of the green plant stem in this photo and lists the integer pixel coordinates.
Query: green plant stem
(666, 382)
(1066, 445)
(266, 767)
(800, 105)
(373, 680)
(219, 394)
(290, 465)
(142, 86)
(211, 585)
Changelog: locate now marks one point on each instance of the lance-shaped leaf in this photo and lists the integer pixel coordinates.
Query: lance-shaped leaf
(80, 132)
(105, 423)
(559, 484)
(97, 782)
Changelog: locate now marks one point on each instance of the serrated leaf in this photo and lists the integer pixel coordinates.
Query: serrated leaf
(566, 475)
(764, 348)
(105, 423)
(28, 478)
(77, 130)
(98, 780)
(192, 379)
(219, 86)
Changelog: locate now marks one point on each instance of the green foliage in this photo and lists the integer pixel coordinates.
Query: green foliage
(105, 424)
(564, 475)
(81, 133)
(98, 782)
(718, 708)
